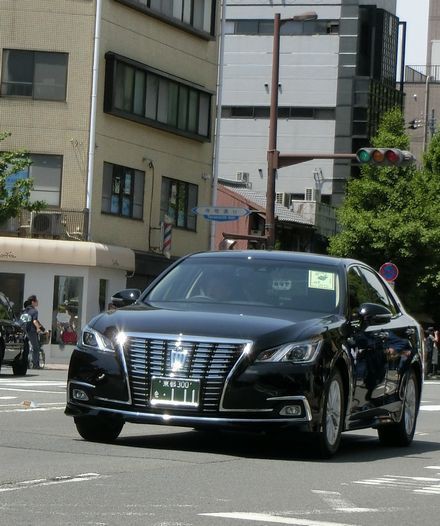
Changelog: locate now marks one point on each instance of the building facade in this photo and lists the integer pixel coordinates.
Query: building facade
(337, 76)
(115, 101)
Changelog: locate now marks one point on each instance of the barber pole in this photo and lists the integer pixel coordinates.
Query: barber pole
(167, 228)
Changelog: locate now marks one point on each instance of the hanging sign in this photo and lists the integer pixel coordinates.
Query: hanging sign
(221, 213)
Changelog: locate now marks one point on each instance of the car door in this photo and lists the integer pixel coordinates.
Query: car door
(380, 351)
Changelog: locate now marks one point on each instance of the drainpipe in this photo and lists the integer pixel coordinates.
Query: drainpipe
(217, 124)
(92, 131)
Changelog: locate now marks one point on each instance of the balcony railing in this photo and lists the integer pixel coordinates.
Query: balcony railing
(48, 224)
(418, 74)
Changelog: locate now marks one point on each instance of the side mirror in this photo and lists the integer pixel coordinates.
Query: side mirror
(125, 297)
(374, 314)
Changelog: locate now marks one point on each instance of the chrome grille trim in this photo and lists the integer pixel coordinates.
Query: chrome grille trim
(210, 360)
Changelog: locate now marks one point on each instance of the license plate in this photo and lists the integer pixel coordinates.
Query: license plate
(179, 392)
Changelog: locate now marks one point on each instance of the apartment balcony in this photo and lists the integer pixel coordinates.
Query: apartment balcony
(61, 224)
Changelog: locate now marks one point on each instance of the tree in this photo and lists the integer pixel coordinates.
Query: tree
(15, 194)
(392, 214)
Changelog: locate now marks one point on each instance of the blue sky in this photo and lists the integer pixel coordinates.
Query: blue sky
(415, 14)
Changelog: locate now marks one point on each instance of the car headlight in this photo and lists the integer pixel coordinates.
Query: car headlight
(298, 352)
(92, 338)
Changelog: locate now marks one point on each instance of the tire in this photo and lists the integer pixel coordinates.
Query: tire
(20, 367)
(402, 433)
(329, 435)
(98, 428)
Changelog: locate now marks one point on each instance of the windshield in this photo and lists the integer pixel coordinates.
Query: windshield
(280, 284)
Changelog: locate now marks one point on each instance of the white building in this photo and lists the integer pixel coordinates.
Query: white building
(336, 76)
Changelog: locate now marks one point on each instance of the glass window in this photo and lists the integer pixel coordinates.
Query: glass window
(37, 74)
(45, 171)
(102, 298)
(177, 200)
(67, 309)
(157, 98)
(122, 191)
(196, 13)
(378, 293)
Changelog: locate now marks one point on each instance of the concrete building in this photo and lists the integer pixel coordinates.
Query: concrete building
(115, 101)
(337, 76)
(422, 88)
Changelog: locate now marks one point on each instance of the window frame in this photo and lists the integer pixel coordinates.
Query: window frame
(4, 84)
(191, 194)
(180, 23)
(122, 172)
(115, 63)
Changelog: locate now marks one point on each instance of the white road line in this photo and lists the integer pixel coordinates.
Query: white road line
(27, 484)
(8, 397)
(30, 409)
(24, 383)
(337, 503)
(30, 390)
(265, 517)
(430, 408)
(432, 467)
(419, 485)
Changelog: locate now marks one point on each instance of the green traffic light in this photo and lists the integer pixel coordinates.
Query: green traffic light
(364, 156)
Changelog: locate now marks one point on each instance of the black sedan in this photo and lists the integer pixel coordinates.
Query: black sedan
(254, 340)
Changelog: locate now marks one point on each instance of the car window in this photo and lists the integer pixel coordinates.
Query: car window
(5, 311)
(378, 291)
(365, 287)
(248, 281)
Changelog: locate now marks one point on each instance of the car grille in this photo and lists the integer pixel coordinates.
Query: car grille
(209, 361)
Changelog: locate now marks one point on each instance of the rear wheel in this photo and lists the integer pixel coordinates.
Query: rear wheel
(99, 428)
(329, 436)
(402, 433)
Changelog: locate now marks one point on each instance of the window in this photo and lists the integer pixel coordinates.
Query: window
(289, 27)
(136, 92)
(198, 14)
(177, 201)
(284, 112)
(67, 309)
(123, 191)
(36, 74)
(45, 171)
(12, 286)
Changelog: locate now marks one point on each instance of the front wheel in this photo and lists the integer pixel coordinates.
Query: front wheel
(402, 433)
(329, 435)
(98, 428)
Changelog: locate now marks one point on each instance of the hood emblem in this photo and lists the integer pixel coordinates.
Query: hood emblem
(178, 358)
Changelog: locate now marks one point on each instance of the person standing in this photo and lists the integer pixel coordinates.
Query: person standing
(33, 329)
(429, 341)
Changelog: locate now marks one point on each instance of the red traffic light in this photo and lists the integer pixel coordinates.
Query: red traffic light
(384, 156)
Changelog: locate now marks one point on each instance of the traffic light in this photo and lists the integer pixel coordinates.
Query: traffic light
(384, 157)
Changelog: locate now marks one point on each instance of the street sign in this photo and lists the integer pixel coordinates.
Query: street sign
(221, 213)
(389, 271)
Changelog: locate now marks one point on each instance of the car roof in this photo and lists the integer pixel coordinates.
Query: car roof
(279, 255)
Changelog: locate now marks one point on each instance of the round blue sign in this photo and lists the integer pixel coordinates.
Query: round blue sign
(389, 271)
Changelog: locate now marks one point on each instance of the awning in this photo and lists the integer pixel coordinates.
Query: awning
(55, 252)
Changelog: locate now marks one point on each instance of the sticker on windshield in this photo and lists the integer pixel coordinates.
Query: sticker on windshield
(321, 280)
(281, 284)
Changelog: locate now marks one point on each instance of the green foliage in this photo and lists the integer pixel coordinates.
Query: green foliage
(11, 202)
(393, 214)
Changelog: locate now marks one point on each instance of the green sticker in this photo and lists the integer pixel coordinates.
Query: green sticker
(321, 280)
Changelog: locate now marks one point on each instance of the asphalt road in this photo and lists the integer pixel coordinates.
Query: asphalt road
(164, 476)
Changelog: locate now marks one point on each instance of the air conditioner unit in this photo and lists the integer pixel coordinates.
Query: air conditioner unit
(279, 198)
(312, 194)
(243, 177)
(47, 223)
(10, 225)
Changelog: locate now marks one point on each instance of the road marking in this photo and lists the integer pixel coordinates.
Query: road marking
(8, 397)
(24, 383)
(430, 408)
(337, 503)
(27, 484)
(265, 517)
(30, 390)
(30, 409)
(420, 485)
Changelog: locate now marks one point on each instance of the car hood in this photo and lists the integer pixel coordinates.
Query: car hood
(263, 326)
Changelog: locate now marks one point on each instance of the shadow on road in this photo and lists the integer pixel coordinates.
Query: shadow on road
(281, 446)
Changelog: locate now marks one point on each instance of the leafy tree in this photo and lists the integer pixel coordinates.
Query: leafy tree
(14, 199)
(392, 214)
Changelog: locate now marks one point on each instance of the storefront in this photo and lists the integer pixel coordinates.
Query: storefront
(73, 281)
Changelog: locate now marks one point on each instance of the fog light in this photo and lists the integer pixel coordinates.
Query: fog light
(291, 410)
(79, 394)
